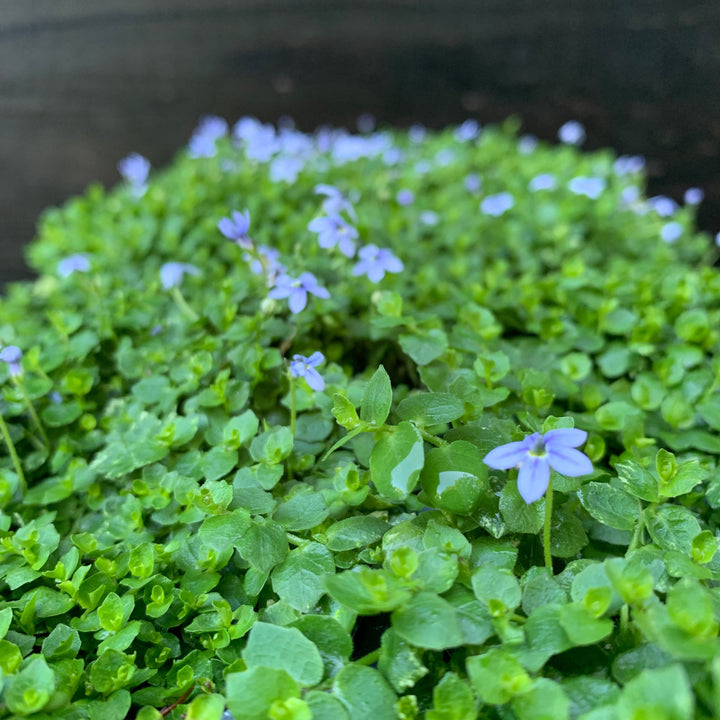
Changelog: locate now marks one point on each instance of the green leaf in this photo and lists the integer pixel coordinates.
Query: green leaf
(540, 588)
(688, 474)
(581, 626)
(332, 640)
(301, 511)
(672, 527)
(431, 408)
(367, 591)
(498, 588)
(543, 700)
(517, 514)
(263, 545)
(355, 532)
(344, 412)
(428, 621)
(272, 446)
(425, 348)
(298, 580)
(205, 707)
(609, 505)
(660, 693)
(399, 662)
(365, 693)
(285, 649)
(240, 430)
(29, 690)
(452, 700)
(396, 461)
(497, 676)
(325, 706)
(377, 398)
(637, 481)
(251, 693)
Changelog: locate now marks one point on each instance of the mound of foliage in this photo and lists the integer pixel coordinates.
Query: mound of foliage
(232, 489)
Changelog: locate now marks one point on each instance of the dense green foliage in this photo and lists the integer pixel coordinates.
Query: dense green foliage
(175, 542)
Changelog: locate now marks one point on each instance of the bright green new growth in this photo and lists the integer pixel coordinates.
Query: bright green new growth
(178, 548)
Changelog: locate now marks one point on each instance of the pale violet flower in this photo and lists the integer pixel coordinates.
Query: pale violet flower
(694, 196)
(393, 156)
(286, 168)
(236, 228)
(135, 170)
(629, 195)
(366, 122)
(271, 256)
(717, 240)
(536, 454)
(334, 230)
(498, 204)
(663, 206)
(473, 183)
(444, 157)
(591, 187)
(12, 355)
(209, 130)
(629, 164)
(469, 130)
(527, 144)
(422, 167)
(429, 218)
(296, 290)
(172, 273)
(375, 262)
(335, 201)
(405, 197)
(544, 181)
(302, 366)
(416, 134)
(73, 263)
(572, 133)
(671, 231)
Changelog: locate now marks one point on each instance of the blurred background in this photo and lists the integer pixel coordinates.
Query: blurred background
(83, 83)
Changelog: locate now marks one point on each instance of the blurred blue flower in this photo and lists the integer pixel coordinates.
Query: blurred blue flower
(271, 256)
(536, 454)
(302, 366)
(286, 168)
(544, 181)
(417, 133)
(469, 130)
(334, 230)
(12, 355)
(405, 197)
(671, 231)
(172, 273)
(572, 133)
(422, 167)
(393, 156)
(694, 196)
(527, 144)
(135, 170)
(591, 187)
(202, 141)
(335, 202)
(498, 204)
(366, 122)
(429, 218)
(629, 164)
(73, 263)
(296, 290)
(261, 144)
(236, 229)
(629, 195)
(444, 157)
(473, 183)
(375, 262)
(717, 239)
(662, 205)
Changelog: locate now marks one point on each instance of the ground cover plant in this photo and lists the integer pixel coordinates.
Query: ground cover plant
(363, 426)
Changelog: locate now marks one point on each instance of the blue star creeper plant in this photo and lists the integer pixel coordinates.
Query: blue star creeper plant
(220, 506)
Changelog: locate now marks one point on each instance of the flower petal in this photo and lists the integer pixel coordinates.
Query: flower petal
(533, 478)
(564, 437)
(315, 359)
(569, 462)
(506, 456)
(314, 380)
(278, 293)
(297, 301)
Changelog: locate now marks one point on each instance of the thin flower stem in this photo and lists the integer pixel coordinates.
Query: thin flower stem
(184, 307)
(638, 532)
(293, 406)
(432, 439)
(548, 524)
(33, 414)
(13, 453)
(369, 659)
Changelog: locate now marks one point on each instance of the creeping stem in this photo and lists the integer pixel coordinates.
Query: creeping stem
(13, 453)
(548, 523)
(184, 307)
(33, 414)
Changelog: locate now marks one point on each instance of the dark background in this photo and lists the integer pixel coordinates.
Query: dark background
(84, 82)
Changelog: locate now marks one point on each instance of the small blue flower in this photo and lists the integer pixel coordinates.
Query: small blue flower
(405, 197)
(417, 133)
(671, 231)
(536, 454)
(135, 170)
(629, 165)
(662, 205)
(335, 202)
(694, 196)
(429, 218)
(473, 183)
(375, 262)
(572, 133)
(444, 157)
(393, 156)
(629, 195)
(286, 168)
(12, 355)
(302, 366)
(422, 167)
(544, 181)
(498, 204)
(297, 289)
(172, 273)
(236, 229)
(334, 230)
(202, 141)
(272, 262)
(366, 122)
(73, 263)
(55, 397)
(591, 187)
(469, 130)
(527, 144)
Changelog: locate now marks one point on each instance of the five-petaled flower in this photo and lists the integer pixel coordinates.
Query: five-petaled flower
(12, 355)
(296, 290)
(375, 262)
(172, 273)
(335, 202)
(236, 229)
(302, 366)
(405, 197)
(73, 263)
(334, 230)
(135, 170)
(498, 204)
(694, 196)
(544, 181)
(591, 187)
(536, 454)
(572, 133)
(671, 231)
